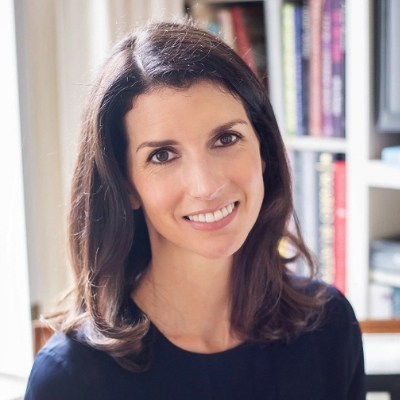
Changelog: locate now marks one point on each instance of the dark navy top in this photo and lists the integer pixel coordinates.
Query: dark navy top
(325, 364)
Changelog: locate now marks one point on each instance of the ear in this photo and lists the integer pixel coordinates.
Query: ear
(134, 198)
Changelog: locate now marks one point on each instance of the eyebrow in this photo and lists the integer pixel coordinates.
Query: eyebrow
(216, 131)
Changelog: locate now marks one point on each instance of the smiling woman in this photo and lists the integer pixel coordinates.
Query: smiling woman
(196, 158)
(180, 199)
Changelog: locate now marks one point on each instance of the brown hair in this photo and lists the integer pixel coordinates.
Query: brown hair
(109, 243)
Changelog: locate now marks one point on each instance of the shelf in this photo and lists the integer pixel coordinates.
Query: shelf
(12, 387)
(382, 353)
(381, 175)
(380, 326)
(333, 145)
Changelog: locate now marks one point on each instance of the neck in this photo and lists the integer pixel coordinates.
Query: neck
(188, 299)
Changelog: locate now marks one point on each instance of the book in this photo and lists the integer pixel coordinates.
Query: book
(396, 302)
(385, 254)
(298, 174)
(273, 24)
(383, 301)
(326, 256)
(227, 32)
(387, 65)
(253, 18)
(391, 155)
(305, 59)
(315, 70)
(289, 67)
(305, 200)
(339, 224)
(204, 15)
(326, 37)
(298, 37)
(338, 68)
(385, 277)
(242, 39)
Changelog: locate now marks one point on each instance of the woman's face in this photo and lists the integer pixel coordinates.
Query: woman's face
(194, 167)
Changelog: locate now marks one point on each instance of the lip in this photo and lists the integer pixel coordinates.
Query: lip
(211, 226)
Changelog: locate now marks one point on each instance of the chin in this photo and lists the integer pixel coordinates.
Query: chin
(220, 252)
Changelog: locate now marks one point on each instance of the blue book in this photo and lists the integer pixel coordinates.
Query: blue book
(391, 155)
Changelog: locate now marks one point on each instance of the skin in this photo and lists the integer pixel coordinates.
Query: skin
(191, 153)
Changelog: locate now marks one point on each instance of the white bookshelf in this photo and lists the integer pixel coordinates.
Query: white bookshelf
(334, 145)
(373, 188)
(381, 175)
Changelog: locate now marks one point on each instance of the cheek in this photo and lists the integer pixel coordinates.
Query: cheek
(157, 196)
(250, 175)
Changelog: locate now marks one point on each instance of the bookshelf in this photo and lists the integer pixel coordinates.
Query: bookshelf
(373, 188)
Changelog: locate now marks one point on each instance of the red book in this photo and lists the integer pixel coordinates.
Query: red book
(315, 63)
(339, 223)
(243, 42)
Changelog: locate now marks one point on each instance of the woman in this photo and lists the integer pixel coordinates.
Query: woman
(180, 199)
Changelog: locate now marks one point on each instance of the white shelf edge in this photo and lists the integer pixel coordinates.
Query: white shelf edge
(334, 145)
(382, 175)
(382, 353)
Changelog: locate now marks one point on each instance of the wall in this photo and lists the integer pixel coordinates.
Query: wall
(61, 44)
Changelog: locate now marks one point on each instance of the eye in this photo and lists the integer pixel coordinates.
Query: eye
(162, 156)
(227, 139)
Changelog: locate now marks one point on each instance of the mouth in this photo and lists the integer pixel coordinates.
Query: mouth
(215, 216)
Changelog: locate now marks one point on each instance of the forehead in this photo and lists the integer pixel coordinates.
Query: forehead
(164, 110)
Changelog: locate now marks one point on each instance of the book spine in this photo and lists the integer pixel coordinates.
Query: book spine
(338, 68)
(253, 18)
(315, 80)
(243, 42)
(327, 128)
(380, 302)
(297, 172)
(305, 58)
(227, 33)
(298, 14)
(339, 224)
(289, 67)
(205, 16)
(308, 192)
(326, 216)
(273, 24)
(396, 302)
(385, 255)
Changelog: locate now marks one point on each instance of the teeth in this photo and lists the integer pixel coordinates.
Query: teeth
(213, 217)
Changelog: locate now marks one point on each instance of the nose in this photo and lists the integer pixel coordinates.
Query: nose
(203, 177)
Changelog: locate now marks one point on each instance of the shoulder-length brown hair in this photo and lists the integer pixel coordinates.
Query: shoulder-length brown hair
(109, 244)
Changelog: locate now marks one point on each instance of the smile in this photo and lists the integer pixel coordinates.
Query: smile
(213, 217)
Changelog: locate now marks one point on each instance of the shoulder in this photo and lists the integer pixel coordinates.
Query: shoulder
(338, 341)
(67, 369)
(337, 319)
(339, 314)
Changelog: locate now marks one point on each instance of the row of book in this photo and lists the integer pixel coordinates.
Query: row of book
(384, 289)
(313, 55)
(241, 26)
(320, 204)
